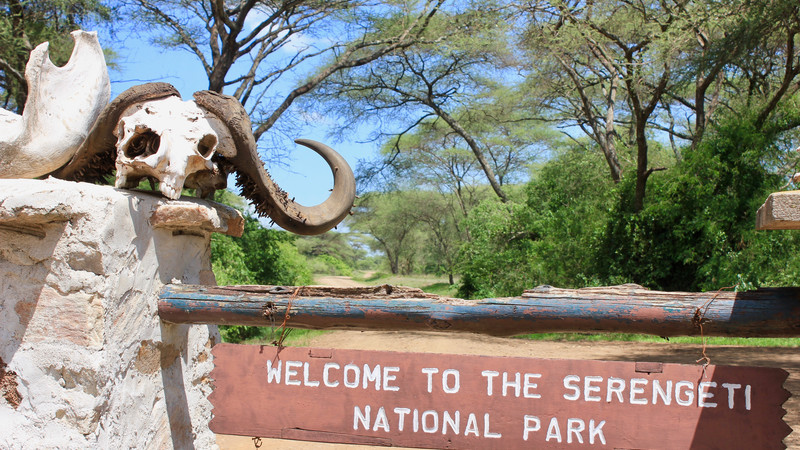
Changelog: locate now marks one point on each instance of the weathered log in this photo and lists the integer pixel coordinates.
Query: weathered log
(781, 211)
(631, 309)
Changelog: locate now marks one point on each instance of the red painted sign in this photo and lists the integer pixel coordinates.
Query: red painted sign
(458, 401)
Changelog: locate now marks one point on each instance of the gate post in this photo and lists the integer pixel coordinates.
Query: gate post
(85, 361)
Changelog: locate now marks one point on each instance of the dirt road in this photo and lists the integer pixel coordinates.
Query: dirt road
(432, 342)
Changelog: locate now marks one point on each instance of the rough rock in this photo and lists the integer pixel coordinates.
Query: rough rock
(85, 361)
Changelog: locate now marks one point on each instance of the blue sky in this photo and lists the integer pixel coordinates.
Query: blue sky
(304, 175)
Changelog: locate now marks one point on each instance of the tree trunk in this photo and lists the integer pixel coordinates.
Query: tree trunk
(641, 167)
(487, 169)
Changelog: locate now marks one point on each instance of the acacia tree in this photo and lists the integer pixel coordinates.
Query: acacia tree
(737, 54)
(26, 24)
(447, 80)
(614, 56)
(246, 47)
(384, 216)
(622, 70)
(442, 228)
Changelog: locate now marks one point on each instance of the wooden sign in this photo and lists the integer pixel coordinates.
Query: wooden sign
(456, 401)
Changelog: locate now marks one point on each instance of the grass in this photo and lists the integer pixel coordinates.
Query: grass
(431, 284)
(630, 337)
(295, 337)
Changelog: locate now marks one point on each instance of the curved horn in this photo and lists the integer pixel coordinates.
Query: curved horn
(257, 186)
(96, 156)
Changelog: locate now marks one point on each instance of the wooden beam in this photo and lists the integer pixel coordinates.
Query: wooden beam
(781, 211)
(627, 308)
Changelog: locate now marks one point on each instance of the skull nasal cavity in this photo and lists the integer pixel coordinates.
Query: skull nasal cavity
(144, 144)
(206, 145)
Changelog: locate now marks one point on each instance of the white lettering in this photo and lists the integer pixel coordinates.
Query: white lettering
(273, 373)
(731, 387)
(353, 369)
(486, 432)
(429, 371)
(637, 389)
(596, 431)
(515, 384)
(532, 423)
(325, 374)
(615, 386)
(689, 393)
(358, 416)
(575, 426)
(588, 388)
(453, 422)
(528, 385)
(401, 413)
(747, 397)
(472, 425)
(568, 380)
(666, 395)
(306, 381)
(553, 432)
(415, 421)
(374, 375)
(703, 394)
(489, 374)
(433, 428)
(456, 385)
(290, 372)
(381, 421)
(387, 378)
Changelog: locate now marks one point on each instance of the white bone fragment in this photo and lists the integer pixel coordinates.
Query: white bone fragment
(62, 105)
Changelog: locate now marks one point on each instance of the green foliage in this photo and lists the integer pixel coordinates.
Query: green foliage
(547, 240)
(260, 256)
(696, 231)
(271, 255)
(495, 261)
(443, 289)
(347, 250)
(239, 333)
(330, 265)
(395, 233)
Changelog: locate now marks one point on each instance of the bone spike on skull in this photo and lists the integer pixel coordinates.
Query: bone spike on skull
(174, 142)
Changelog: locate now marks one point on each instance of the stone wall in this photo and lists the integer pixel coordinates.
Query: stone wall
(84, 359)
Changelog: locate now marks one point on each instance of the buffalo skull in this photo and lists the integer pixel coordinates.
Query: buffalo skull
(148, 132)
(172, 141)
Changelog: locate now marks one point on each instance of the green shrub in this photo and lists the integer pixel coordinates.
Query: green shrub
(260, 256)
(330, 265)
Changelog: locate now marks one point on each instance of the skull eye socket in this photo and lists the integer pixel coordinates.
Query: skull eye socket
(143, 144)
(206, 145)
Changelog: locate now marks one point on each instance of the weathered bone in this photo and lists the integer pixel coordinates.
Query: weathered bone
(258, 187)
(62, 105)
(172, 141)
(97, 156)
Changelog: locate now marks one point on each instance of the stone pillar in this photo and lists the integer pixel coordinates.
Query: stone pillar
(84, 359)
